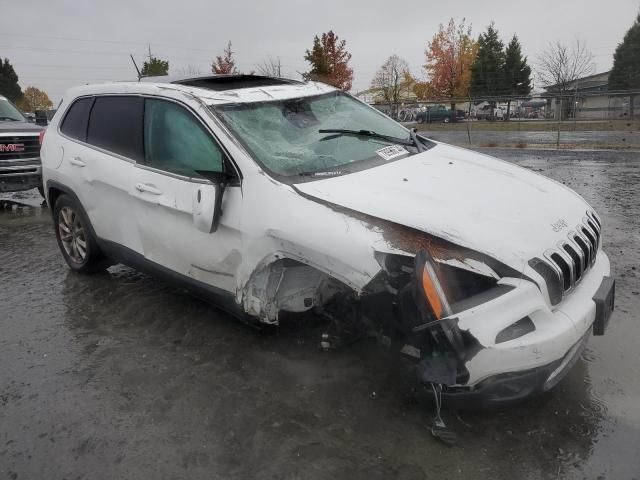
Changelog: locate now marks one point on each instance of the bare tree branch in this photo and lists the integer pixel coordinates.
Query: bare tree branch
(270, 67)
(190, 70)
(559, 66)
(392, 81)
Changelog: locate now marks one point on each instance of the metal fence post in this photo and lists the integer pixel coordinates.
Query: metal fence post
(468, 122)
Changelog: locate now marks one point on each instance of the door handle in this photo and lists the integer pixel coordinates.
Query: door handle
(77, 161)
(147, 187)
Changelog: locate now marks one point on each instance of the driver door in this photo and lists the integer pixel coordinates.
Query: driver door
(173, 202)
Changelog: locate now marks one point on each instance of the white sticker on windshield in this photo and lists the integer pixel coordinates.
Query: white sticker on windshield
(392, 151)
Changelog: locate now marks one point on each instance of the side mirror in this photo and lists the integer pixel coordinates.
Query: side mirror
(207, 201)
(41, 118)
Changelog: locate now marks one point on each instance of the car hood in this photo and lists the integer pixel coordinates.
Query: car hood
(473, 200)
(19, 127)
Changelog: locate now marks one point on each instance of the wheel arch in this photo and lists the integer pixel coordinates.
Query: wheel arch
(56, 189)
(287, 282)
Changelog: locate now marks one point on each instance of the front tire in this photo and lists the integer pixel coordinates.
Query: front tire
(73, 232)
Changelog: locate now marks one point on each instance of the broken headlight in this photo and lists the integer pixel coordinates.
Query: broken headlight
(446, 286)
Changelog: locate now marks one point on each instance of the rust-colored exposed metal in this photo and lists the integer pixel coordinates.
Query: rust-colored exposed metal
(406, 238)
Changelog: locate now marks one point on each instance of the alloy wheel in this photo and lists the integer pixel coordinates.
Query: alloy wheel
(72, 234)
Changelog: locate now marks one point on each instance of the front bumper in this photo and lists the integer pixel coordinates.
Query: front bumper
(508, 371)
(16, 182)
(508, 388)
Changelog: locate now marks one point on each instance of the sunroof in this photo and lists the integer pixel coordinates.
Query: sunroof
(233, 82)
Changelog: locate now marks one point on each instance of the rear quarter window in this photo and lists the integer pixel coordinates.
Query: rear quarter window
(75, 122)
(115, 124)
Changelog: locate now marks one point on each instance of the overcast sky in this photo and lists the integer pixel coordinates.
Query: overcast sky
(56, 44)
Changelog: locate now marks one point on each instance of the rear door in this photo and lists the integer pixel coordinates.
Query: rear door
(106, 162)
(177, 144)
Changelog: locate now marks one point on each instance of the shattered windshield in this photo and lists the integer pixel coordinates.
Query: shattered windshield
(287, 136)
(9, 113)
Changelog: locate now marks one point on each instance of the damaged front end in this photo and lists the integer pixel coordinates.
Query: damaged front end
(416, 299)
(477, 331)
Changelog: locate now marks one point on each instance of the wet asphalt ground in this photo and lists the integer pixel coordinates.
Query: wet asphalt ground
(121, 376)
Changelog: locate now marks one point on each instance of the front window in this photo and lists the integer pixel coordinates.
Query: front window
(175, 141)
(284, 136)
(9, 113)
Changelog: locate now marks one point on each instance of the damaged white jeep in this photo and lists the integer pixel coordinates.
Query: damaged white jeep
(270, 196)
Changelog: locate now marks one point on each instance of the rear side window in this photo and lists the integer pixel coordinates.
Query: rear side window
(177, 142)
(75, 121)
(116, 125)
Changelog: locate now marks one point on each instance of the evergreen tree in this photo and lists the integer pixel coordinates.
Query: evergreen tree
(625, 73)
(155, 67)
(487, 71)
(517, 73)
(9, 81)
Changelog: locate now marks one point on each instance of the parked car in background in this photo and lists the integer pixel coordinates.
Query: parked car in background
(20, 140)
(485, 113)
(436, 113)
(273, 197)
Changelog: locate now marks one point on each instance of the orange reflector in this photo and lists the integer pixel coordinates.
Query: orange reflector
(433, 290)
(432, 294)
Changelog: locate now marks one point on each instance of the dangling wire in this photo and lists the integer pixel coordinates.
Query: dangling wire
(439, 428)
(437, 394)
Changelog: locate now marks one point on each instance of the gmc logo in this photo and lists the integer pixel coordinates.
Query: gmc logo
(11, 147)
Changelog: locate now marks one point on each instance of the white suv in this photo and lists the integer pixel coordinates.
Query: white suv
(268, 196)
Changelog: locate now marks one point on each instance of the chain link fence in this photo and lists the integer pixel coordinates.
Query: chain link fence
(573, 120)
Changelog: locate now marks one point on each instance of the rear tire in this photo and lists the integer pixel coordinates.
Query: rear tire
(75, 239)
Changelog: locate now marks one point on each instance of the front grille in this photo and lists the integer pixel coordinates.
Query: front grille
(19, 147)
(565, 265)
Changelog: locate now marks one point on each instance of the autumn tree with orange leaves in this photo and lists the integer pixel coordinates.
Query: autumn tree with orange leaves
(225, 64)
(329, 60)
(449, 56)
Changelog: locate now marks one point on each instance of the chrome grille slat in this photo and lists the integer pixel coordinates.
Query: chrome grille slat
(573, 273)
(593, 241)
(561, 256)
(595, 218)
(595, 230)
(580, 262)
(584, 248)
(587, 242)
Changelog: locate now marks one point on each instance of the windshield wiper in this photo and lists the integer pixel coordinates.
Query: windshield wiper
(369, 133)
(10, 119)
